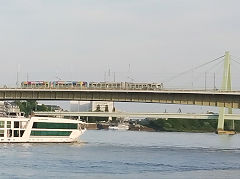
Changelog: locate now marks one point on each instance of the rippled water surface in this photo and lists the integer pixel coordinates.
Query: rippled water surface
(119, 154)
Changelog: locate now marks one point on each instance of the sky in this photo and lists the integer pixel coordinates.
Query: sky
(140, 40)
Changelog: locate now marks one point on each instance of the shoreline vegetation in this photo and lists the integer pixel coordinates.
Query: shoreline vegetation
(31, 105)
(186, 125)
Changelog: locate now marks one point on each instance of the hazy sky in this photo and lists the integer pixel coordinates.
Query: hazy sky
(81, 39)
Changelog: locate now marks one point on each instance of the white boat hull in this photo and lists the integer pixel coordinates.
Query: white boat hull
(24, 130)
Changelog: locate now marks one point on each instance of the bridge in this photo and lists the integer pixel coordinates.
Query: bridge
(225, 98)
(229, 99)
(139, 115)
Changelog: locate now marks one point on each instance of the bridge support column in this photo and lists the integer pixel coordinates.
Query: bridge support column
(221, 119)
(226, 86)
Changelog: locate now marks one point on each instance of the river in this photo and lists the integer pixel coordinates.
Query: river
(126, 154)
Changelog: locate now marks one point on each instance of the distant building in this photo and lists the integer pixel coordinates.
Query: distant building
(7, 108)
(55, 108)
(87, 106)
(103, 106)
(91, 106)
(80, 106)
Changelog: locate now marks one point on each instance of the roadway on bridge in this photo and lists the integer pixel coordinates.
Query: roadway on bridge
(230, 99)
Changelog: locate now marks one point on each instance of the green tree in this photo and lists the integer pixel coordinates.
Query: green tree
(31, 105)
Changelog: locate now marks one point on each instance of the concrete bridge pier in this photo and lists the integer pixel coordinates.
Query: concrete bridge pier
(226, 86)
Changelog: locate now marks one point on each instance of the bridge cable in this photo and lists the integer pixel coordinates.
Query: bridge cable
(236, 61)
(214, 66)
(195, 68)
(235, 57)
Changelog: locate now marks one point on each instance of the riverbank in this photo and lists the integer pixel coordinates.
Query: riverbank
(186, 125)
(170, 125)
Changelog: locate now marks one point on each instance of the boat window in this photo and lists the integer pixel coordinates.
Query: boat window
(2, 124)
(51, 133)
(16, 133)
(1, 133)
(21, 133)
(16, 124)
(9, 133)
(48, 125)
(13, 114)
(8, 124)
(23, 125)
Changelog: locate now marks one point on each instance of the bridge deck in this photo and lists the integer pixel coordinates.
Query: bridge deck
(229, 99)
(140, 115)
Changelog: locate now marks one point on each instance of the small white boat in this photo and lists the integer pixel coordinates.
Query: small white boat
(113, 128)
(40, 129)
(123, 126)
(119, 127)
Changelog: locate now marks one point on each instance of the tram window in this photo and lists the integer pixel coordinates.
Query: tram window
(16, 124)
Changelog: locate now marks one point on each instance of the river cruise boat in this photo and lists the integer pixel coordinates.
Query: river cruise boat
(40, 129)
